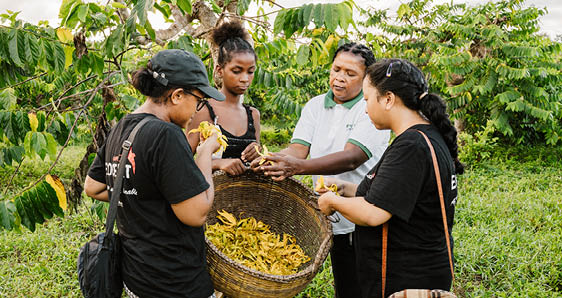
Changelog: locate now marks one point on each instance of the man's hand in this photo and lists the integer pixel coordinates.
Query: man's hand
(283, 166)
(232, 166)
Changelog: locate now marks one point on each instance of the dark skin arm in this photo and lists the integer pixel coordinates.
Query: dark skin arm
(290, 161)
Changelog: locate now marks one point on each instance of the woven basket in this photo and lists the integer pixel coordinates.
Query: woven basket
(287, 207)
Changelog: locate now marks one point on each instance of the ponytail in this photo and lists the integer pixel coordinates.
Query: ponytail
(404, 79)
(145, 83)
(435, 109)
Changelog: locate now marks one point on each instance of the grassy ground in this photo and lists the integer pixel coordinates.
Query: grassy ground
(508, 233)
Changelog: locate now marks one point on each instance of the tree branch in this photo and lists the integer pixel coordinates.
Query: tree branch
(23, 82)
(100, 85)
(13, 175)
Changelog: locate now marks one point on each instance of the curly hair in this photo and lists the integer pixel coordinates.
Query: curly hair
(231, 38)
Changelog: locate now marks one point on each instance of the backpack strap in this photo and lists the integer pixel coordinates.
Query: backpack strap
(118, 182)
(443, 215)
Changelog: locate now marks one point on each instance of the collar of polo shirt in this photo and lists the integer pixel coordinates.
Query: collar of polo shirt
(330, 103)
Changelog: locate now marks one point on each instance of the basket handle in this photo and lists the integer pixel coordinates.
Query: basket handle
(334, 218)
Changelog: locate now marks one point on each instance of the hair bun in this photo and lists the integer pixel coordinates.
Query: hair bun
(229, 30)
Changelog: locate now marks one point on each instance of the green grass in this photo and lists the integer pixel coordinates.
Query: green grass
(508, 232)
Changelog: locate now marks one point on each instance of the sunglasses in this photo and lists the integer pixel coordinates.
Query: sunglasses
(200, 100)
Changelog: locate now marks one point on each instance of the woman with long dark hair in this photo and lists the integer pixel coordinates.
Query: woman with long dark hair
(401, 190)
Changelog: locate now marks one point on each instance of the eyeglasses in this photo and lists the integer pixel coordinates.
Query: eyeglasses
(200, 100)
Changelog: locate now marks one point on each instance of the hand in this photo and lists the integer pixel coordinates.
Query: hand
(283, 166)
(328, 181)
(211, 144)
(250, 153)
(324, 203)
(231, 166)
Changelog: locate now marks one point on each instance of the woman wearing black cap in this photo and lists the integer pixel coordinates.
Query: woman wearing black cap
(239, 122)
(399, 197)
(166, 192)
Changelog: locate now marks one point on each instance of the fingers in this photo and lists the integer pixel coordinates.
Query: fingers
(322, 190)
(234, 167)
(278, 178)
(250, 152)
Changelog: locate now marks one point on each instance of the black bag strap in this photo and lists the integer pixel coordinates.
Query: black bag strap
(118, 183)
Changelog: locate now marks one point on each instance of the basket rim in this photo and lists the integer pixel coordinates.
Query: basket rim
(315, 263)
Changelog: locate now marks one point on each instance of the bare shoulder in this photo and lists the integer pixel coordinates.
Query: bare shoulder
(255, 112)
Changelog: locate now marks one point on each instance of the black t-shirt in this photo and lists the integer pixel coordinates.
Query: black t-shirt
(162, 257)
(403, 183)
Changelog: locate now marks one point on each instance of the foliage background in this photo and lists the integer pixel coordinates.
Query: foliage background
(62, 88)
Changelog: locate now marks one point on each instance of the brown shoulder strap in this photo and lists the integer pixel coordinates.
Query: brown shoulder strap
(443, 215)
(384, 251)
(441, 200)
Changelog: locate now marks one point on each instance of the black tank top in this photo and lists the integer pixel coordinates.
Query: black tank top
(236, 144)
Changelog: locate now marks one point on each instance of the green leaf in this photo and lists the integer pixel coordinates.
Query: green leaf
(40, 196)
(59, 57)
(17, 126)
(307, 14)
(26, 219)
(11, 154)
(8, 99)
(319, 15)
(289, 27)
(13, 47)
(302, 55)
(91, 158)
(118, 5)
(65, 8)
(28, 54)
(329, 18)
(279, 22)
(51, 199)
(6, 217)
(242, 6)
(98, 64)
(34, 208)
(99, 208)
(403, 9)
(149, 30)
(41, 120)
(83, 12)
(70, 18)
(39, 144)
(51, 145)
(185, 6)
(164, 9)
(508, 96)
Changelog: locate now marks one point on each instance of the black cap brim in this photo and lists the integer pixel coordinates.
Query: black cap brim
(212, 92)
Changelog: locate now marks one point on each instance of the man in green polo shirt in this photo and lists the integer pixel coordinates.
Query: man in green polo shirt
(341, 141)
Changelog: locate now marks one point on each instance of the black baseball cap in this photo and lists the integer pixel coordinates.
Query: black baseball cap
(184, 69)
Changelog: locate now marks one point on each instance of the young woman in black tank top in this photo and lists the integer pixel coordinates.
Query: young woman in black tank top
(240, 123)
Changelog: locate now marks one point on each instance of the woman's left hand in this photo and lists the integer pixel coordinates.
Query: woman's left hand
(324, 202)
(250, 153)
